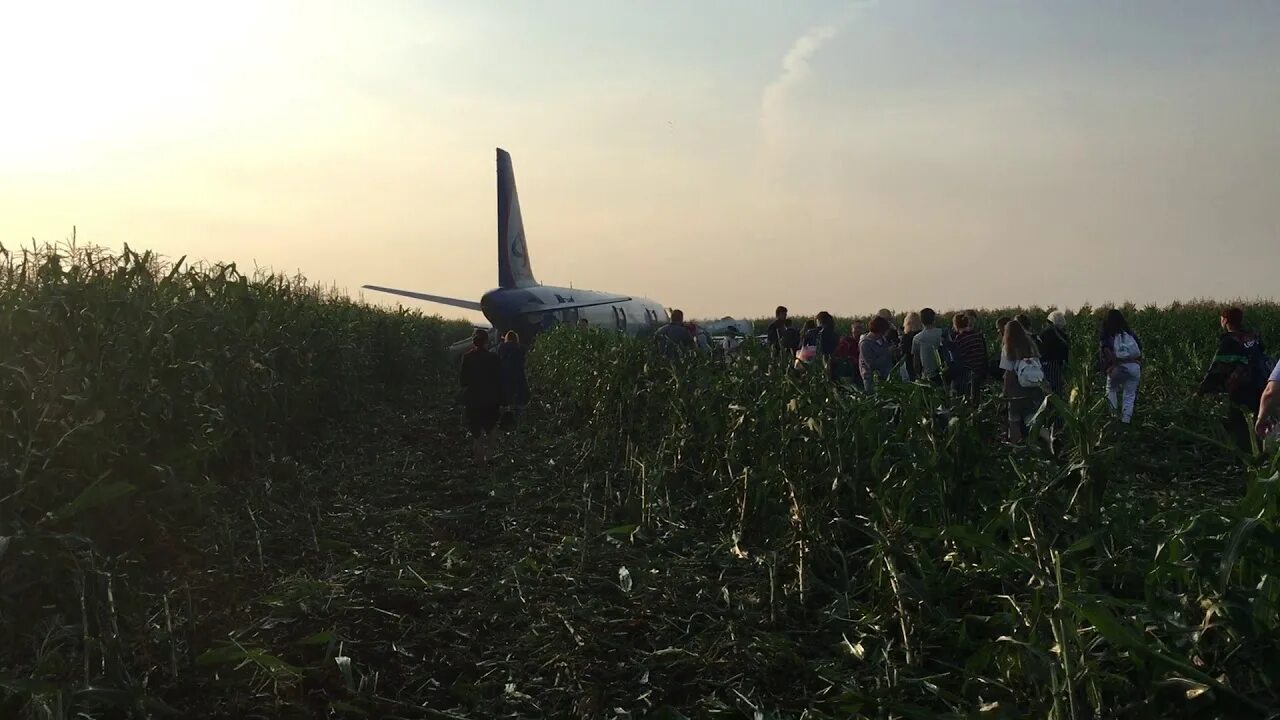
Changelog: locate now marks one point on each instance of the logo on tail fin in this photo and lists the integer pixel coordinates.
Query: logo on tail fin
(517, 247)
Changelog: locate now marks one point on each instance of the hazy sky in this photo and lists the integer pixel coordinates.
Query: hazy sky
(721, 156)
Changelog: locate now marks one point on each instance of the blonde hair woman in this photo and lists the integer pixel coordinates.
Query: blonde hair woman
(911, 326)
(1016, 349)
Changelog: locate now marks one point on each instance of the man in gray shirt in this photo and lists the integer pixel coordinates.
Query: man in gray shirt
(924, 348)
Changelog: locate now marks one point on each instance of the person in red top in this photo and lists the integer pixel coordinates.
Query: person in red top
(844, 361)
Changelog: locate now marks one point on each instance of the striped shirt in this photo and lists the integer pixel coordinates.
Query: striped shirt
(972, 349)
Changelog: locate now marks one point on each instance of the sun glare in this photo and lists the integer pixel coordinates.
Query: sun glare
(82, 78)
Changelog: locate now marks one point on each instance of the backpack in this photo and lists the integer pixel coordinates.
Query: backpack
(1029, 372)
(1253, 375)
(791, 338)
(1125, 347)
(949, 354)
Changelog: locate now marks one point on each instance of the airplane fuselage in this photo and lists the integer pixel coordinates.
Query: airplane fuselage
(521, 304)
(532, 310)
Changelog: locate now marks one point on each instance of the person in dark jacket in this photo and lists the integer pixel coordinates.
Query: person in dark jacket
(891, 337)
(1235, 371)
(792, 337)
(828, 340)
(1055, 350)
(901, 346)
(830, 337)
(777, 329)
(481, 379)
(515, 384)
(674, 339)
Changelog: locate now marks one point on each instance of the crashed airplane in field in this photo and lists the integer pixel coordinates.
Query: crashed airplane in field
(519, 303)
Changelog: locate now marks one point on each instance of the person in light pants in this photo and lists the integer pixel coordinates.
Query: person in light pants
(1121, 356)
(1122, 388)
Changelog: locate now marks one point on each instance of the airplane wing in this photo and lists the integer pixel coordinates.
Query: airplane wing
(465, 304)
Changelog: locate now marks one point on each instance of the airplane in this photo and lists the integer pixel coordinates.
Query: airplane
(522, 304)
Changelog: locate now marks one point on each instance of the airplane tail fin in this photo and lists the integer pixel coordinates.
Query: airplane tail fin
(514, 270)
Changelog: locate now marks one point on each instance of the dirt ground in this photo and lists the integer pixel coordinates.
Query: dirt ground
(411, 584)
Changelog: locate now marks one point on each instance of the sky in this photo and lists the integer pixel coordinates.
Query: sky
(722, 156)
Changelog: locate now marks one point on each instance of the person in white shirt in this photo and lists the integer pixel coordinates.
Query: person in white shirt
(1020, 359)
(1122, 362)
(924, 348)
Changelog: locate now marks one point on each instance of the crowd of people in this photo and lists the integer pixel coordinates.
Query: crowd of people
(1027, 364)
(950, 355)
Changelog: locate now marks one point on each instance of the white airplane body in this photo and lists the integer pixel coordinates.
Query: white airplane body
(520, 303)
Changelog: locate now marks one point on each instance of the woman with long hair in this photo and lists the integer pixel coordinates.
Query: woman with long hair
(515, 384)
(810, 344)
(1020, 359)
(828, 341)
(1121, 360)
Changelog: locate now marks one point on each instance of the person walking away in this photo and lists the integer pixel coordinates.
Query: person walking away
(791, 339)
(674, 338)
(776, 330)
(515, 383)
(845, 361)
(481, 380)
(971, 348)
(1267, 405)
(911, 326)
(701, 340)
(1001, 324)
(1055, 350)
(1240, 369)
(810, 341)
(891, 335)
(924, 349)
(875, 359)
(1023, 378)
(1121, 360)
(975, 326)
(828, 336)
(828, 341)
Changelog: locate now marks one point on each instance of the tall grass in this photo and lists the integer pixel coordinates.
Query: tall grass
(970, 578)
(138, 397)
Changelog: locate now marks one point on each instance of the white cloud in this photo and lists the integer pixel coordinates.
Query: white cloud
(795, 69)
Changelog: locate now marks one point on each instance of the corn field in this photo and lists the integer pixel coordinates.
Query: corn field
(245, 496)
(1135, 573)
(138, 399)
